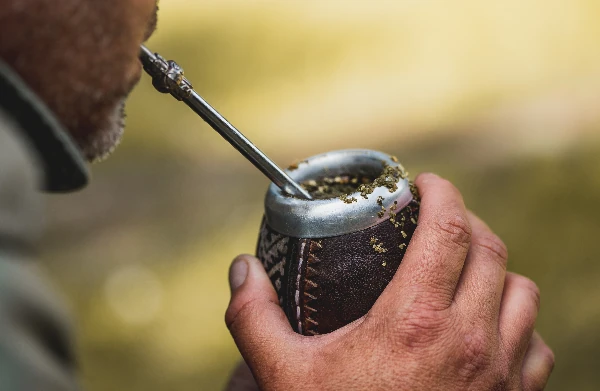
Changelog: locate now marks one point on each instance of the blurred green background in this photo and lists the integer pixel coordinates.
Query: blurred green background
(500, 97)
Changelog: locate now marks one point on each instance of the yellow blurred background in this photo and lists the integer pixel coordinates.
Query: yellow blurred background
(502, 98)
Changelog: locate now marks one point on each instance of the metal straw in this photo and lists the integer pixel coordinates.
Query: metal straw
(167, 77)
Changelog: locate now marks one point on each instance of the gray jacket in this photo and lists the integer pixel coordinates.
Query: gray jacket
(35, 154)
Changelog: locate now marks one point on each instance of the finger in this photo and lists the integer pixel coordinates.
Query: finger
(479, 290)
(518, 311)
(537, 365)
(430, 270)
(256, 321)
(242, 379)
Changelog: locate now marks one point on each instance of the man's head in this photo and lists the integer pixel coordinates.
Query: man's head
(81, 58)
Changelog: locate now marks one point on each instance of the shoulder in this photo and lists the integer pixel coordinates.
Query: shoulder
(21, 203)
(36, 349)
(35, 333)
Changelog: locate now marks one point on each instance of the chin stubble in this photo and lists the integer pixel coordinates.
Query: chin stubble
(103, 142)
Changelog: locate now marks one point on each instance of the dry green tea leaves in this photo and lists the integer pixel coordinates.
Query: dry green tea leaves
(342, 186)
(377, 245)
(390, 176)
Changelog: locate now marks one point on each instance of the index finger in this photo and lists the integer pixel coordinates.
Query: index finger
(431, 268)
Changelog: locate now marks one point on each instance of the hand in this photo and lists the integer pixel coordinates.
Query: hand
(452, 318)
(242, 379)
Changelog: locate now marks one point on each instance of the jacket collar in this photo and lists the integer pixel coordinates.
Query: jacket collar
(63, 165)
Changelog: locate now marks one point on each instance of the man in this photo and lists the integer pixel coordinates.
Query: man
(451, 319)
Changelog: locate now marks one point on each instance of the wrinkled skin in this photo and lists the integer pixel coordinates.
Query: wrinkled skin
(81, 58)
(451, 319)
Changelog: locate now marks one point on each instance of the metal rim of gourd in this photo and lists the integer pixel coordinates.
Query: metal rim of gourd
(323, 218)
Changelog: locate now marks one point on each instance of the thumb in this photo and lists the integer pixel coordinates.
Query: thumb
(256, 321)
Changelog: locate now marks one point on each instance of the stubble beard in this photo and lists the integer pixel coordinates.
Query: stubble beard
(97, 146)
(80, 58)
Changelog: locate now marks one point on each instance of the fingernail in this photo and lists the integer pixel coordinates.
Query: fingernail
(238, 273)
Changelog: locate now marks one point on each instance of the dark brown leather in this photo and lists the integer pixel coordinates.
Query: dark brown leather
(324, 284)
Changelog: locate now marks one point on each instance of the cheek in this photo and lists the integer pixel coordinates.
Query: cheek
(144, 7)
(142, 12)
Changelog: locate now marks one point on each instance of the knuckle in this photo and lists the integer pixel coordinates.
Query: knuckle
(533, 290)
(455, 229)
(475, 353)
(433, 297)
(536, 296)
(236, 314)
(549, 358)
(536, 380)
(492, 245)
(419, 327)
(527, 285)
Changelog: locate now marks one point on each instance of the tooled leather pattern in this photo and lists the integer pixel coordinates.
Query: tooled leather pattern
(324, 284)
(349, 272)
(272, 250)
(312, 290)
(277, 252)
